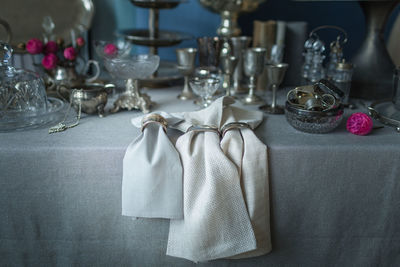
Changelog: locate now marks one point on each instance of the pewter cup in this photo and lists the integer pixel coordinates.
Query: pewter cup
(209, 51)
(186, 58)
(228, 65)
(253, 64)
(239, 44)
(275, 75)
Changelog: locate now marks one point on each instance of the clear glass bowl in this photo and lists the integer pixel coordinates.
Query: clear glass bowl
(123, 48)
(204, 87)
(132, 67)
(314, 121)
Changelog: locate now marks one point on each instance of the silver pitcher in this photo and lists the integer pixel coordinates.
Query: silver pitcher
(68, 76)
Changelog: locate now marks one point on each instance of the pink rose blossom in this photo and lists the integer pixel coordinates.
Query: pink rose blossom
(80, 41)
(49, 61)
(110, 49)
(359, 123)
(70, 53)
(51, 47)
(34, 46)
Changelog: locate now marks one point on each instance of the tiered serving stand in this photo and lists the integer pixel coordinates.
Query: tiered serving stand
(154, 38)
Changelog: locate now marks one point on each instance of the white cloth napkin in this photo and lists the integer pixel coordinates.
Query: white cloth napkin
(152, 174)
(225, 188)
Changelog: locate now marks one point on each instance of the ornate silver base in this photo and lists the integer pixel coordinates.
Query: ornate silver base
(272, 110)
(185, 95)
(252, 99)
(132, 99)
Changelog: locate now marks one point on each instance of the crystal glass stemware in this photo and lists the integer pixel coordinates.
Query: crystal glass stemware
(132, 68)
(204, 87)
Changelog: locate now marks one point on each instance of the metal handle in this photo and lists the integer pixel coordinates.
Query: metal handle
(313, 32)
(7, 27)
(97, 72)
(234, 125)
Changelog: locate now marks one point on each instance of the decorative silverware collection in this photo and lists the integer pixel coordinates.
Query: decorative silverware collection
(228, 64)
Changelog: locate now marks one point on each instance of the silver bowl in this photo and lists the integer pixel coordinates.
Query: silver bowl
(314, 121)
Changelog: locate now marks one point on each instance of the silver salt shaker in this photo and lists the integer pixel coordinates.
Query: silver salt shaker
(342, 78)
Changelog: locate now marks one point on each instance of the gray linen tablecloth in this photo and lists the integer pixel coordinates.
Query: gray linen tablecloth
(335, 198)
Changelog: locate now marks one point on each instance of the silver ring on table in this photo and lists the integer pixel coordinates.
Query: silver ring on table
(203, 128)
(154, 118)
(234, 125)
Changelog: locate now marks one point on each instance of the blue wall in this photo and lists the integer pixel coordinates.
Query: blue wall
(192, 18)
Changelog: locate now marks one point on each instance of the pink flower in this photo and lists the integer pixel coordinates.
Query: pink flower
(110, 49)
(49, 61)
(50, 47)
(34, 46)
(80, 41)
(70, 53)
(359, 123)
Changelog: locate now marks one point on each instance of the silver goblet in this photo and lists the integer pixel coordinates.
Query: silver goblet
(253, 64)
(239, 44)
(186, 58)
(228, 65)
(209, 51)
(275, 74)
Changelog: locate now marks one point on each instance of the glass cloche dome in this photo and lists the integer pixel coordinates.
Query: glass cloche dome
(23, 99)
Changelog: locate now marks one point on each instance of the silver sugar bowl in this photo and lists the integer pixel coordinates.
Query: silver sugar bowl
(92, 98)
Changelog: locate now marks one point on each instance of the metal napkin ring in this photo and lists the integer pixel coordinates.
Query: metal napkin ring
(234, 125)
(203, 128)
(154, 118)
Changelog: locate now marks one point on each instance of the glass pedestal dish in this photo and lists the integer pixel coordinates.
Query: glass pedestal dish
(132, 68)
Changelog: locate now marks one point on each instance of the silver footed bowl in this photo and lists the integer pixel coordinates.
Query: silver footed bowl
(229, 11)
(314, 121)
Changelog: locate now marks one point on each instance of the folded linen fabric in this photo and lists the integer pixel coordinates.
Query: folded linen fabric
(152, 172)
(225, 187)
(250, 157)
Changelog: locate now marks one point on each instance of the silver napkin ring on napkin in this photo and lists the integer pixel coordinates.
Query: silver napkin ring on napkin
(203, 128)
(154, 118)
(234, 125)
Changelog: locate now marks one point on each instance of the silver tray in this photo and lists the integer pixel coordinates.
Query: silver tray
(25, 17)
(56, 111)
(165, 38)
(164, 4)
(385, 112)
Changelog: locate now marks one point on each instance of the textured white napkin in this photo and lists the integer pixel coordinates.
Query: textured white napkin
(152, 174)
(225, 188)
(250, 157)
